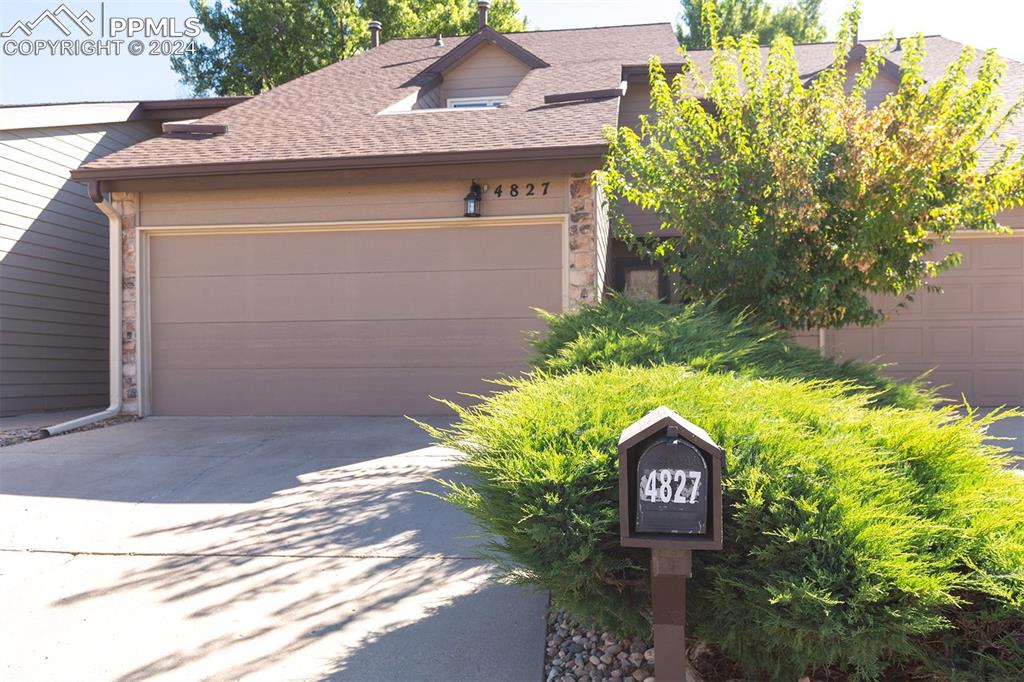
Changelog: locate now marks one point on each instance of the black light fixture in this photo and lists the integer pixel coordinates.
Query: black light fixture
(473, 201)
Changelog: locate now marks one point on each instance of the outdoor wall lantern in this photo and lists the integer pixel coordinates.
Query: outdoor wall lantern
(473, 201)
(670, 500)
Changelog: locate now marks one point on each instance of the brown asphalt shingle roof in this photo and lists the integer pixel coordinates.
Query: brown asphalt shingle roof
(334, 113)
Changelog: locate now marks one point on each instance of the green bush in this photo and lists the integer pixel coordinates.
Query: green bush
(855, 538)
(621, 331)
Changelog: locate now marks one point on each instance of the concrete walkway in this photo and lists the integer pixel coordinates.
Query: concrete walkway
(263, 549)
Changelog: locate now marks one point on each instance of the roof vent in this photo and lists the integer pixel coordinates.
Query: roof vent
(481, 7)
(375, 27)
(196, 128)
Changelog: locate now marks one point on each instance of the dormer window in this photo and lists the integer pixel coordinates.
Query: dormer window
(475, 102)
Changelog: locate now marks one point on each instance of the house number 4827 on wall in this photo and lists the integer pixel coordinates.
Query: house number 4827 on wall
(676, 486)
(514, 190)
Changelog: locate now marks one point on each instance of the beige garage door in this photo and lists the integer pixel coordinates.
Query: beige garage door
(360, 322)
(972, 334)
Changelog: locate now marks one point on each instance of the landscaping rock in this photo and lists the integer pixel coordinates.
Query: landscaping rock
(585, 655)
(576, 654)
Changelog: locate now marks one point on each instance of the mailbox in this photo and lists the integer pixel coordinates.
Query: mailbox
(670, 500)
(670, 484)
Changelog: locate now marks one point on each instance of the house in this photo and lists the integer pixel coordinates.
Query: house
(53, 246)
(379, 232)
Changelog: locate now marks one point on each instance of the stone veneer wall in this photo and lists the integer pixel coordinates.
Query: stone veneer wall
(585, 244)
(126, 205)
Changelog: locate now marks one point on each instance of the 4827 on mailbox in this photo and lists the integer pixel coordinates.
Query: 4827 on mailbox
(672, 477)
(657, 485)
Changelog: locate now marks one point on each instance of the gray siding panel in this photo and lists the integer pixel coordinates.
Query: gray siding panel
(53, 267)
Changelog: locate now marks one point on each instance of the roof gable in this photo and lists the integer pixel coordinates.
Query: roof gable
(484, 36)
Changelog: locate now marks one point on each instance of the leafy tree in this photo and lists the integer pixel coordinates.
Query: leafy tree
(795, 199)
(402, 18)
(801, 21)
(259, 44)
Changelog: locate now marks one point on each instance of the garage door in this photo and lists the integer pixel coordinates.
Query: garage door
(972, 334)
(357, 322)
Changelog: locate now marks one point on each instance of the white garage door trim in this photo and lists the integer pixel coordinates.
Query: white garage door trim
(143, 235)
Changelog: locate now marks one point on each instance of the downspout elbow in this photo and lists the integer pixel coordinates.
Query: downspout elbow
(114, 333)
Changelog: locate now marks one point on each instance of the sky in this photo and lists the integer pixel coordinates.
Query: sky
(62, 78)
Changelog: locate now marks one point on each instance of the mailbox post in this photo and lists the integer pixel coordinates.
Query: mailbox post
(670, 500)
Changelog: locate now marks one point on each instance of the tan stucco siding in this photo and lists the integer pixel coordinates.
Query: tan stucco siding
(487, 72)
(391, 200)
(53, 267)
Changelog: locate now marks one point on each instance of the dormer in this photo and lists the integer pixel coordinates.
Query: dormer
(481, 72)
(484, 77)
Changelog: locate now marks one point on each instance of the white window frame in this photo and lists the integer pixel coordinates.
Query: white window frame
(475, 102)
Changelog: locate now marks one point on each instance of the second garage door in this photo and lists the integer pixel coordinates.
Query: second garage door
(970, 337)
(348, 322)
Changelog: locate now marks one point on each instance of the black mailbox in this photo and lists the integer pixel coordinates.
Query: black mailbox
(670, 500)
(670, 484)
(673, 483)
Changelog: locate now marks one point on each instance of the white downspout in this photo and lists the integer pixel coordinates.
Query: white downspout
(115, 323)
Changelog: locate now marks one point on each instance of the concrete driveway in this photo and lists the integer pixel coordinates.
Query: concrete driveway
(271, 549)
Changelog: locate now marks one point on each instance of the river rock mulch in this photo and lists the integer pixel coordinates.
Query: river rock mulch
(578, 654)
(575, 653)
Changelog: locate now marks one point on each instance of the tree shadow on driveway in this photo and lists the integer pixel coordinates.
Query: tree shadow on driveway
(342, 553)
